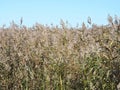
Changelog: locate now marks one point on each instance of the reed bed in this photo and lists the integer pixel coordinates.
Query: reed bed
(60, 58)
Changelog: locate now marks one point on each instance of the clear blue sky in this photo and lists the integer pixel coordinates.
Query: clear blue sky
(51, 11)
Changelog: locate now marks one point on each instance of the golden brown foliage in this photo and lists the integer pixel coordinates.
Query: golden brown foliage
(53, 58)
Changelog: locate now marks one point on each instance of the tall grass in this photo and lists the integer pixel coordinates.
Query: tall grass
(53, 58)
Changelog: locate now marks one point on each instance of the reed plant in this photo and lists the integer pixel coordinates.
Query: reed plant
(60, 58)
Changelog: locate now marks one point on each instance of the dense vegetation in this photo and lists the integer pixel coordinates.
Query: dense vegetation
(60, 58)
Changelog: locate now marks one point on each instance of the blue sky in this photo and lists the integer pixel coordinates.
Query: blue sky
(51, 11)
